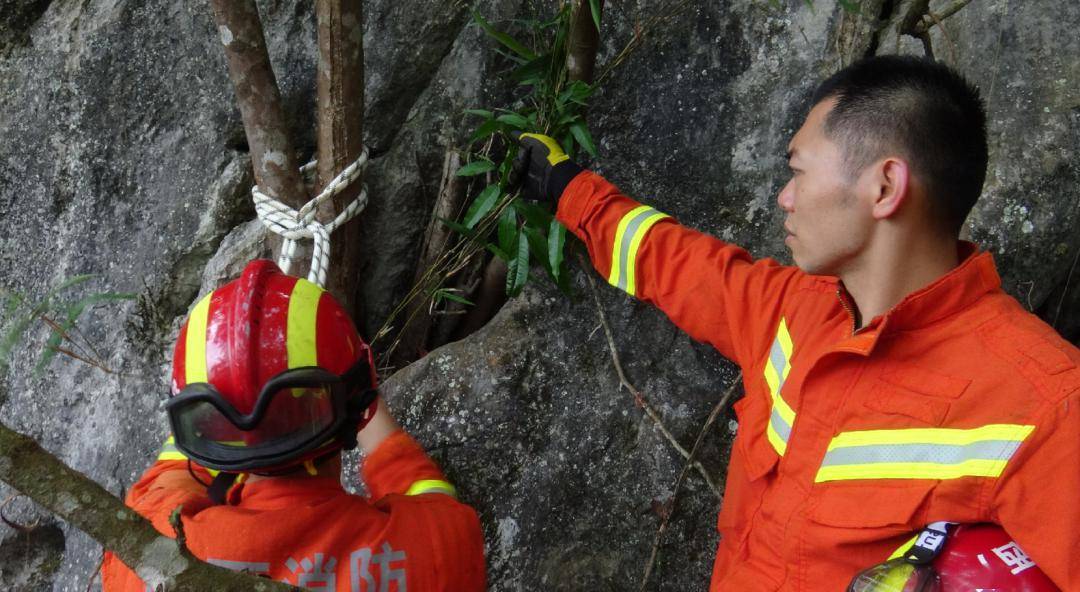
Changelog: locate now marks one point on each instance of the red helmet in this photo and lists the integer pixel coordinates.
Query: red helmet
(268, 372)
(973, 557)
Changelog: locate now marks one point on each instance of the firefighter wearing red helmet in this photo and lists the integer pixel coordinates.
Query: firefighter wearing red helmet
(270, 382)
(946, 557)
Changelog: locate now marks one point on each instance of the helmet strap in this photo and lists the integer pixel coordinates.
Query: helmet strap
(928, 544)
(220, 486)
(356, 413)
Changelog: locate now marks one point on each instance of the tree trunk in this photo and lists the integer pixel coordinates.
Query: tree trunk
(340, 135)
(272, 154)
(161, 562)
(583, 42)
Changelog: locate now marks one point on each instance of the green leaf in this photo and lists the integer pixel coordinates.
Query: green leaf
(476, 167)
(73, 313)
(482, 205)
(513, 44)
(514, 120)
(534, 215)
(518, 270)
(481, 112)
(556, 247)
(446, 294)
(532, 71)
(508, 230)
(457, 227)
(851, 6)
(489, 127)
(595, 6)
(583, 137)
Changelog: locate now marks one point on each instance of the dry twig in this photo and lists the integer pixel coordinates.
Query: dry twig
(638, 397)
(672, 503)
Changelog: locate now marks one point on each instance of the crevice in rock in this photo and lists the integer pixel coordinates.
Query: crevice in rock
(17, 17)
(885, 17)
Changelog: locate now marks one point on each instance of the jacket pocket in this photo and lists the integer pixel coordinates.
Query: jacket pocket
(852, 526)
(751, 467)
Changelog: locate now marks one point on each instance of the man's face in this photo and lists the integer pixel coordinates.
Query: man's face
(827, 225)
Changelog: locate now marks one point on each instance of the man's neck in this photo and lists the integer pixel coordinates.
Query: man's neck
(892, 269)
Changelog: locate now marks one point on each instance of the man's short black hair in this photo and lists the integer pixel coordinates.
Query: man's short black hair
(918, 109)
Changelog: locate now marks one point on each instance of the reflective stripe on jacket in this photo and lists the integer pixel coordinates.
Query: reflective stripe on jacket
(955, 405)
(411, 533)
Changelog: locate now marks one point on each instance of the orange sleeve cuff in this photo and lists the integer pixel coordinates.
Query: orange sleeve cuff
(397, 464)
(577, 197)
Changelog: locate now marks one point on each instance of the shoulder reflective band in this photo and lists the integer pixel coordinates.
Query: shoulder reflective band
(632, 228)
(777, 368)
(169, 451)
(432, 486)
(922, 453)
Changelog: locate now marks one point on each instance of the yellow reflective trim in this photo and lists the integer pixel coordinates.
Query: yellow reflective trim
(784, 338)
(432, 486)
(555, 152)
(300, 341)
(620, 231)
(957, 437)
(171, 455)
(635, 243)
(771, 378)
(976, 467)
(785, 411)
(775, 439)
(899, 552)
(195, 343)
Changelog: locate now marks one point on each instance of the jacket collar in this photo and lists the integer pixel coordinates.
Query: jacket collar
(957, 290)
(282, 492)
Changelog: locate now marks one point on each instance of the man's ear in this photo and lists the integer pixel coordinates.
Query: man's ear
(892, 184)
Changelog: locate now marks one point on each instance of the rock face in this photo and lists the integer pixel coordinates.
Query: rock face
(124, 157)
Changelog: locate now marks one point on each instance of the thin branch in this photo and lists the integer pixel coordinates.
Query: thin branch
(1065, 290)
(673, 503)
(638, 397)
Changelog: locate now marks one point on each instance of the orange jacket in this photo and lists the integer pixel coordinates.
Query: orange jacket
(956, 405)
(311, 533)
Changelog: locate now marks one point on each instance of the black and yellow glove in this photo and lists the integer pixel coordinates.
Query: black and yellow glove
(542, 168)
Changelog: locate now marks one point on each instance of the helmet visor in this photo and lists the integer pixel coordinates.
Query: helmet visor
(294, 418)
(896, 575)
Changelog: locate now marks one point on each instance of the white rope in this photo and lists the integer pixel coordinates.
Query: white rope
(295, 226)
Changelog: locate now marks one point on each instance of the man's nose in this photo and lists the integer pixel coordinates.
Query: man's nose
(786, 198)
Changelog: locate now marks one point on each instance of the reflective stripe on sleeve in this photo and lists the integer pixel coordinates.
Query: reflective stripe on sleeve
(632, 228)
(777, 368)
(922, 453)
(432, 486)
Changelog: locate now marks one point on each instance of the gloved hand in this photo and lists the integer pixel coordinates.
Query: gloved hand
(542, 168)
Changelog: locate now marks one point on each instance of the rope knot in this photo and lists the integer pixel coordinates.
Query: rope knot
(296, 225)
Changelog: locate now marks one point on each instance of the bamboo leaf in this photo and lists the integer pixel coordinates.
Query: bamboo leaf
(511, 43)
(583, 137)
(457, 227)
(481, 112)
(851, 6)
(486, 129)
(445, 294)
(482, 205)
(508, 230)
(476, 167)
(73, 312)
(515, 120)
(595, 6)
(518, 272)
(556, 247)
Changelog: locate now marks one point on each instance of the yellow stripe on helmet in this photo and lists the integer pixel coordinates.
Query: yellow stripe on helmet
(195, 343)
(300, 338)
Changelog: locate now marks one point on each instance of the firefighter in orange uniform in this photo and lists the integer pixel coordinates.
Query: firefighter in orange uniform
(270, 381)
(890, 382)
